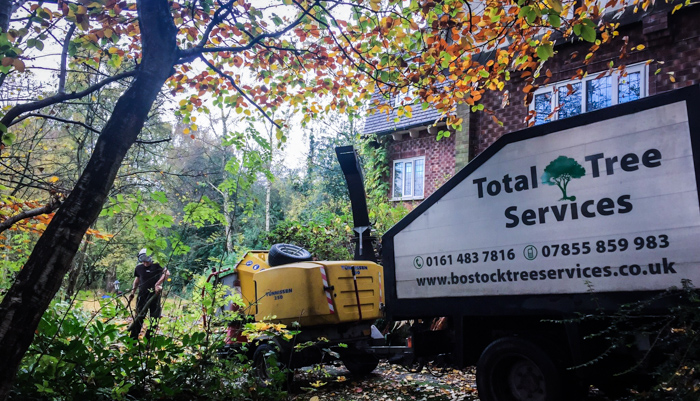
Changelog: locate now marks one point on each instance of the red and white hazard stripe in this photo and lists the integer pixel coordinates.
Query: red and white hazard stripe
(329, 297)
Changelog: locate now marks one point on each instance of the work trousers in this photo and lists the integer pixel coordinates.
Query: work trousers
(153, 311)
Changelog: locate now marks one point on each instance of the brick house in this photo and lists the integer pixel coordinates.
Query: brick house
(420, 164)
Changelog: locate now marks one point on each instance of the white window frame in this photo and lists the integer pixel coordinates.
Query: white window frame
(642, 68)
(401, 98)
(413, 196)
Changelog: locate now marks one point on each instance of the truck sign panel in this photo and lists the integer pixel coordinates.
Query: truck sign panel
(610, 204)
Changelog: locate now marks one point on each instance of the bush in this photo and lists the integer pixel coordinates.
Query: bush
(79, 355)
(329, 239)
(676, 337)
(671, 367)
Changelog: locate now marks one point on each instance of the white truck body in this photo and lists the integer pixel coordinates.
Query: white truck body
(630, 222)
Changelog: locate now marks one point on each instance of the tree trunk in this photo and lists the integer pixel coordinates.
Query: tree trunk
(268, 192)
(5, 13)
(75, 272)
(40, 279)
(268, 187)
(228, 225)
(226, 194)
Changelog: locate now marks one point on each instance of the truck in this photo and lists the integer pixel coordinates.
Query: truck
(574, 217)
(570, 218)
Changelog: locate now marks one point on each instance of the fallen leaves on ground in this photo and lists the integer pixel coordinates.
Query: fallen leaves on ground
(387, 383)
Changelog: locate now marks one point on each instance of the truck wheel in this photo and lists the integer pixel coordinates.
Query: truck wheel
(360, 364)
(513, 369)
(281, 254)
(267, 366)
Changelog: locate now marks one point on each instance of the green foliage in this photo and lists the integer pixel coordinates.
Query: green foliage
(82, 355)
(67, 358)
(203, 212)
(377, 170)
(328, 238)
(151, 216)
(13, 254)
(325, 228)
(671, 365)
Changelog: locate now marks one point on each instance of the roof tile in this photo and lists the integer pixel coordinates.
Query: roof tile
(381, 123)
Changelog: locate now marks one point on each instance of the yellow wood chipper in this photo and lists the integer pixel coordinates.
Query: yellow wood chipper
(333, 304)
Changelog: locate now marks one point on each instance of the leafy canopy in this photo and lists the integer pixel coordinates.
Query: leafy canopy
(255, 56)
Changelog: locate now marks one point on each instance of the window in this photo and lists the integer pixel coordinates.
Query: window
(570, 98)
(409, 177)
(405, 98)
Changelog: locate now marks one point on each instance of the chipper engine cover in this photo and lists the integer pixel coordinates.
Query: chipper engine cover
(311, 293)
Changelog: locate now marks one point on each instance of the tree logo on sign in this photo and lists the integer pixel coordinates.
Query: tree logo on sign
(560, 172)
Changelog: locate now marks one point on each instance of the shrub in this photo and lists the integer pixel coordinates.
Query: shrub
(671, 366)
(81, 355)
(329, 239)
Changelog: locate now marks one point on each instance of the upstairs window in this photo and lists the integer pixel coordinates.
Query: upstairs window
(571, 98)
(402, 99)
(409, 179)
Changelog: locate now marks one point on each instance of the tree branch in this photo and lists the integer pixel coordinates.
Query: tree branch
(219, 16)
(191, 54)
(354, 50)
(64, 56)
(7, 8)
(216, 188)
(53, 204)
(63, 120)
(153, 142)
(233, 83)
(9, 118)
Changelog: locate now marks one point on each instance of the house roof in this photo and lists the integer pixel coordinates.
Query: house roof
(382, 124)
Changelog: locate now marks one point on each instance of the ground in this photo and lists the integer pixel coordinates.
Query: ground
(386, 383)
(390, 383)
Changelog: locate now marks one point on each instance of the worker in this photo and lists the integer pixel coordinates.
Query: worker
(149, 278)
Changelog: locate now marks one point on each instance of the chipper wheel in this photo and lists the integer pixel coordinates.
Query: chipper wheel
(360, 363)
(268, 365)
(281, 254)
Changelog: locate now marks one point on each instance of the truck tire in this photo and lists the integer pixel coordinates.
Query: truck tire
(281, 254)
(360, 364)
(513, 369)
(267, 365)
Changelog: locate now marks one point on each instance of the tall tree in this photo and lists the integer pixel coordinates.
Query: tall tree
(219, 34)
(41, 277)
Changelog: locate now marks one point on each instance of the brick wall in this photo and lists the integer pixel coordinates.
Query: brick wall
(439, 156)
(462, 150)
(671, 39)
